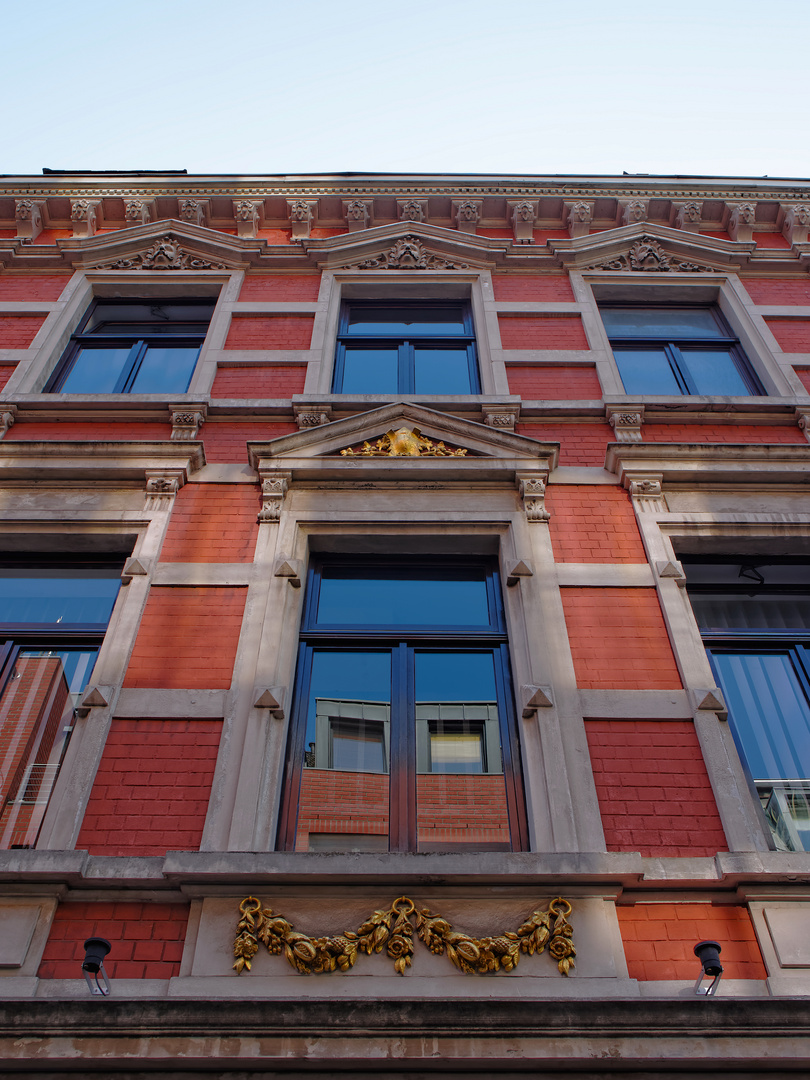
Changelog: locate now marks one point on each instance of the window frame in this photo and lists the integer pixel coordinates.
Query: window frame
(406, 345)
(402, 739)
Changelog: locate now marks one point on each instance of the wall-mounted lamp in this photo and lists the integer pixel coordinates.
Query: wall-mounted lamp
(95, 949)
(708, 952)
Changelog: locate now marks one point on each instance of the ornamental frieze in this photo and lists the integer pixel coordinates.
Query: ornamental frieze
(404, 442)
(164, 254)
(392, 929)
(648, 255)
(408, 253)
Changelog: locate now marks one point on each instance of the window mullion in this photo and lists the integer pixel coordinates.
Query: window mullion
(406, 368)
(134, 361)
(402, 777)
(680, 369)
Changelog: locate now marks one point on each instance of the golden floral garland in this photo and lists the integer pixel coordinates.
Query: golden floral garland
(392, 929)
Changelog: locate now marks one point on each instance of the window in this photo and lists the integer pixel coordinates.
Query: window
(403, 735)
(134, 347)
(53, 622)
(755, 621)
(677, 350)
(404, 348)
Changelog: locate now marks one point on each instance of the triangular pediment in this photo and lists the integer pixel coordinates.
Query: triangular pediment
(160, 245)
(648, 248)
(405, 245)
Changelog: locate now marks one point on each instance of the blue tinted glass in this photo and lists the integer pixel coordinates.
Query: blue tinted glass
(646, 371)
(95, 371)
(381, 601)
(441, 371)
(165, 370)
(406, 321)
(56, 597)
(348, 711)
(714, 371)
(369, 371)
(670, 324)
(461, 677)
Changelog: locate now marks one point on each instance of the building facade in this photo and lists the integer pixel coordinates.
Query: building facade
(405, 602)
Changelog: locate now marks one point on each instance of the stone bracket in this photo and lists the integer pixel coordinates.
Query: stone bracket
(186, 422)
(645, 490)
(516, 570)
(309, 416)
(133, 568)
(139, 212)
(533, 698)
(28, 214)
(272, 699)
(84, 215)
(741, 222)
(578, 217)
(710, 700)
(161, 488)
(522, 214)
(803, 420)
(358, 214)
(634, 211)
(689, 216)
(412, 209)
(503, 417)
(796, 223)
(193, 210)
(669, 568)
(249, 214)
(303, 214)
(467, 213)
(92, 698)
(626, 422)
(533, 493)
(7, 418)
(290, 569)
(274, 488)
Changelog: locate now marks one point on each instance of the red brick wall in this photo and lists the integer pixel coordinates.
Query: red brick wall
(555, 383)
(547, 287)
(804, 376)
(580, 444)
(593, 523)
(188, 637)
(6, 371)
(50, 236)
(18, 331)
(297, 287)
(32, 286)
(770, 240)
(793, 335)
(259, 381)
(542, 332)
(722, 433)
(659, 940)
(151, 791)
(270, 332)
(769, 291)
(226, 442)
(653, 788)
(618, 639)
(100, 432)
(213, 523)
(147, 939)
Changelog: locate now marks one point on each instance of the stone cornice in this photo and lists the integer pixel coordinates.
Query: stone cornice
(698, 463)
(122, 462)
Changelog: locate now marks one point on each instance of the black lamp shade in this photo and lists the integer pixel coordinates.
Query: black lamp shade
(96, 948)
(708, 952)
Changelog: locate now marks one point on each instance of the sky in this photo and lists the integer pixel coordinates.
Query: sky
(698, 87)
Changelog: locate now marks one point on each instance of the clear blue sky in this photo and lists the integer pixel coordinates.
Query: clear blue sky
(514, 86)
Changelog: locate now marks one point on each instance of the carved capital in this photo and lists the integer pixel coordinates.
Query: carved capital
(186, 422)
(7, 418)
(274, 488)
(309, 416)
(161, 488)
(689, 217)
(522, 216)
(533, 494)
(626, 422)
(797, 223)
(634, 211)
(503, 417)
(303, 214)
(467, 213)
(358, 213)
(28, 215)
(412, 209)
(741, 222)
(249, 214)
(83, 216)
(578, 218)
(138, 211)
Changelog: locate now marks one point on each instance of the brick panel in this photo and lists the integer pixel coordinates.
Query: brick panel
(542, 332)
(804, 376)
(770, 240)
(147, 939)
(496, 234)
(213, 523)
(50, 236)
(32, 286)
(18, 331)
(580, 444)
(653, 788)
(187, 638)
(542, 287)
(659, 940)
(555, 383)
(274, 236)
(259, 381)
(770, 291)
(270, 332)
(461, 809)
(341, 802)
(593, 523)
(98, 432)
(227, 442)
(297, 287)
(618, 639)
(151, 791)
(6, 371)
(722, 433)
(793, 335)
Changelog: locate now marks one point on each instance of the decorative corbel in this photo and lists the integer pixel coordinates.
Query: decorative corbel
(358, 213)
(710, 700)
(7, 418)
(803, 420)
(634, 211)
(161, 488)
(467, 214)
(289, 569)
(533, 494)
(274, 488)
(28, 216)
(741, 222)
(133, 568)
(671, 568)
(796, 225)
(646, 492)
(310, 416)
(139, 211)
(522, 215)
(272, 699)
(412, 209)
(626, 422)
(249, 214)
(84, 217)
(515, 571)
(689, 217)
(533, 698)
(192, 210)
(503, 417)
(578, 218)
(186, 423)
(303, 214)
